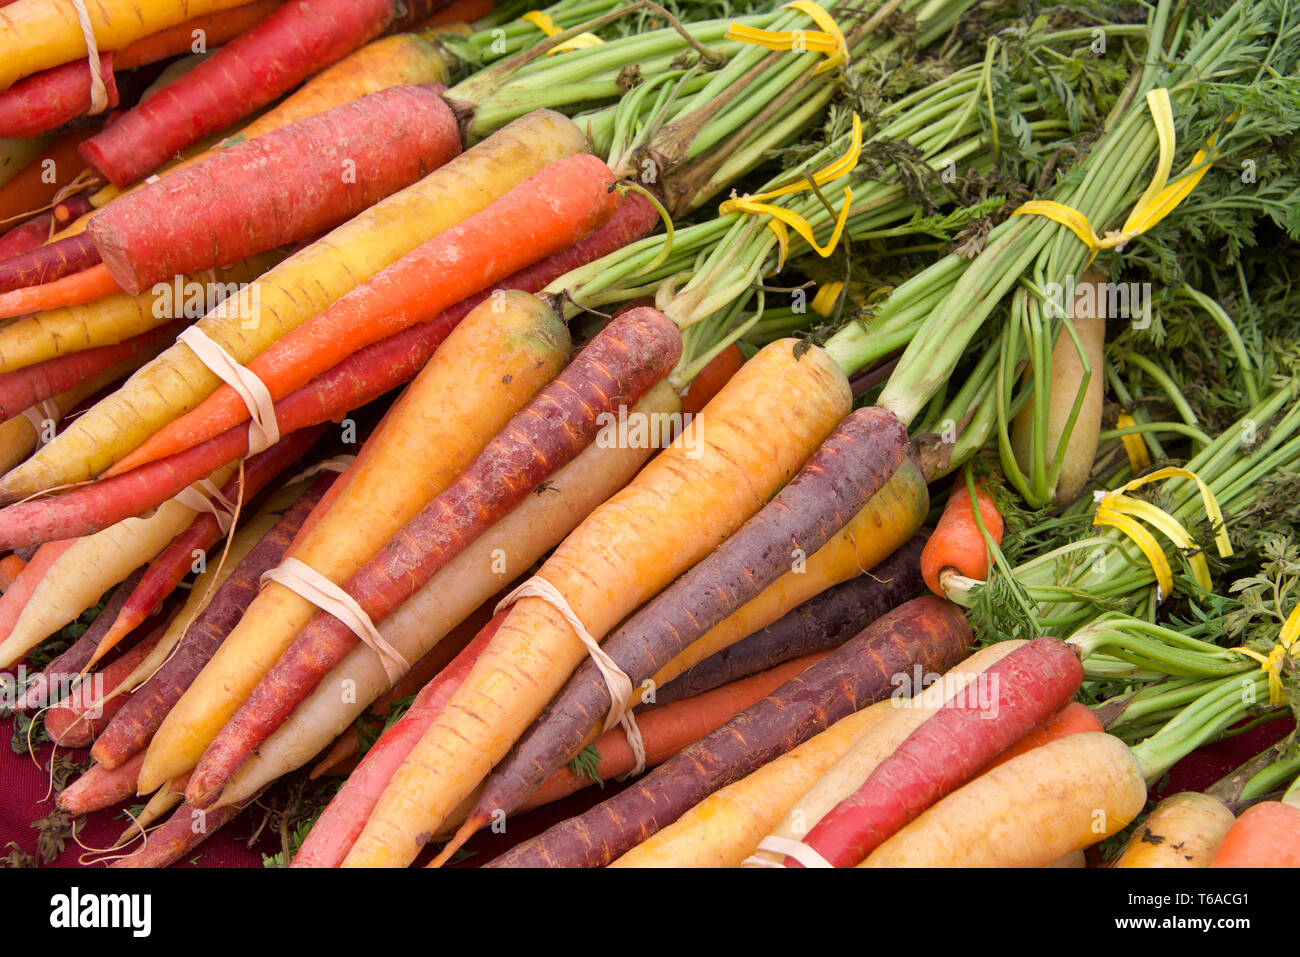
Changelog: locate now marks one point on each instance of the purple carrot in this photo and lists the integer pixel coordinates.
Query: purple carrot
(835, 484)
(49, 262)
(928, 633)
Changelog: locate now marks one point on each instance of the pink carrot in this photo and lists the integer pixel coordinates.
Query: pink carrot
(171, 567)
(297, 181)
(101, 788)
(334, 832)
(140, 717)
(43, 264)
(255, 68)
(973, 727)
(16, 596)
(613, 371)
(23, 388)
(185, 830)
(75, 722)
(50, 98)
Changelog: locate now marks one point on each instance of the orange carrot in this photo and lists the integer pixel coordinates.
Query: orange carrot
(40, 181)
(100, 787)
(213, 29)
(1074, 718)
(542, 216)
(957, 543)
(11, 566)
(459, 11)
(1265, 835)
(712, 378)
(81, 287)
(16, 595)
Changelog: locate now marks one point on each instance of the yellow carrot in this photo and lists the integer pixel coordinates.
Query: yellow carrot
(116, 318)
(725, 828)
(36, 35)
(90, 567)
(1061, 797)
(739, 451)
(858, 761)
(441, 422)
(1184, 830)
(481, 571)
(293, 292)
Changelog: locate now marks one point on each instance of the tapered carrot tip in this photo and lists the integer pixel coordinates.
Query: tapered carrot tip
(203, 790)
(472, 826)
(119, 630)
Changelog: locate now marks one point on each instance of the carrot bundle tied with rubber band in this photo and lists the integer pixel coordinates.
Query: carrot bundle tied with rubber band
(613, 372)
(839, 479)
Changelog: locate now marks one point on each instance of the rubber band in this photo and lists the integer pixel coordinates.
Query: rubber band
(1159, 200)
(44, 411)
(339, 463)
(787, 847)
(1134, 445)
(214, 502)
(783, 219)
(310, 584)
(98, 92)
(616, 680)
(263, 430)
(544, 23)
(1119, 511)
(829, 40)
(1272, 663)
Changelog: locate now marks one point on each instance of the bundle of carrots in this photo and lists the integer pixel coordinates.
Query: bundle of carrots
(443, 408)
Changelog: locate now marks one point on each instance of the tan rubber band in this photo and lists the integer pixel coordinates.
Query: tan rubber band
(340, 464)
(98, 92)
(44, 411)
(263, 430)
(310, 584)
(616, 680)
(787, 847)
(216, 503)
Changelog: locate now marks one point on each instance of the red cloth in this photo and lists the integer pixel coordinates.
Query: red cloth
(24, 786)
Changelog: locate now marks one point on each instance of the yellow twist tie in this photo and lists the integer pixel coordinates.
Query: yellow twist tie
(1159, 200)
(1138, 459)
(544, 23)
(783, 218)
(1272, 663)
(828, 40)
(824, 301)
(1119, 511)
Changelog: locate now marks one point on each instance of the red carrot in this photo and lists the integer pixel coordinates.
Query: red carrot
(135, 724)
(819, 624)
(63, 257)
(215, 29)
(949, 749)
(100, 788)
(339, 824)
(50, 98)
(544, 215)
(927, 632)
(616, 368)
(255, 68)
(171, 567)
(297, 181)
(835, 484)
(23, 388)
(185, 830)
(957, 543)
(76, 721)
(374, 370)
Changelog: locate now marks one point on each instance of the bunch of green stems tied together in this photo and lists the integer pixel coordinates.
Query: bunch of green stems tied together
(1225, 69)
(709, 277)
